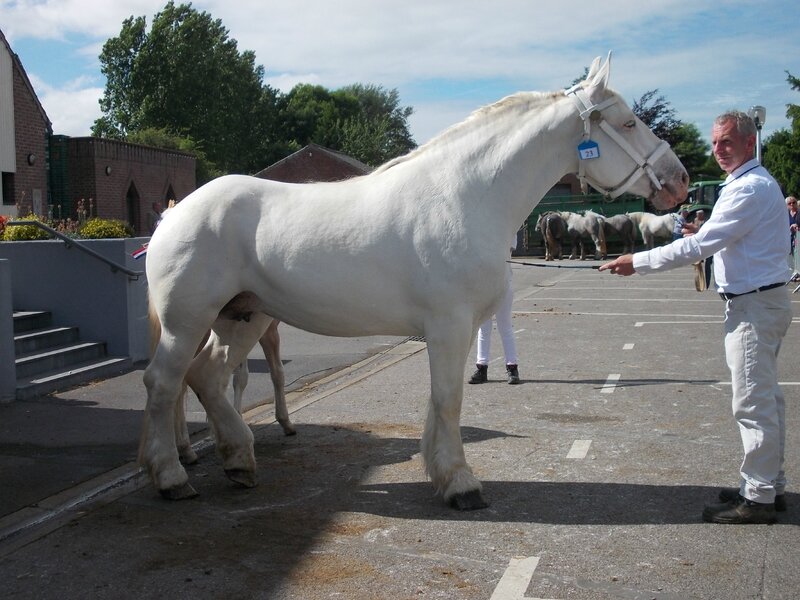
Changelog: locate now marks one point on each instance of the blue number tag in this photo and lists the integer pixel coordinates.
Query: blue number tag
(588, 149)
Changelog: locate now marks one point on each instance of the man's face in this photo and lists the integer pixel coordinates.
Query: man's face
(730, 148)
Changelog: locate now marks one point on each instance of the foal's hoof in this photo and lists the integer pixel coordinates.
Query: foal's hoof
(188, 456)
(244, 478)
(179, 492)
(472, 500)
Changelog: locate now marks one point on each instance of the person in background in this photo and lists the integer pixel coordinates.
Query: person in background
(794, 220)
(680, 223)
(154, 217)
(699, 219)
(506, 331)
(746, 231)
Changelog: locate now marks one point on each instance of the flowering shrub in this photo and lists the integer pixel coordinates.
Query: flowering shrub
(25, 232)
(105, 228)
(2, 225)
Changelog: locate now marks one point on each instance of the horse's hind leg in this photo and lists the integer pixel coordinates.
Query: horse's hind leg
(158, 452)
(271, 344)
(209, 376)
(442, 448)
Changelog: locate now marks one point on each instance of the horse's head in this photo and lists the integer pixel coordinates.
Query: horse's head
(619, 153)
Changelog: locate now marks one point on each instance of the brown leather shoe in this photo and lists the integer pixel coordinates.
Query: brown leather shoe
(740, 512)
(728, 494)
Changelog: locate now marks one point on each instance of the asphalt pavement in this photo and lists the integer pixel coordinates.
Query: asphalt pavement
(596, 468)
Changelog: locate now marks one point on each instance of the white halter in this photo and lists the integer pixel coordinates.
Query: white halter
(594, 113)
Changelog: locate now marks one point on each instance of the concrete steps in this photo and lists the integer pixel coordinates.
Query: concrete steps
(50, 358)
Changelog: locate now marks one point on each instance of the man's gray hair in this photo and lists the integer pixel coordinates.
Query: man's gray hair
(745, 126)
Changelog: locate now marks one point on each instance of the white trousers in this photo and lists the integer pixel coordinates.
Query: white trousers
(755, 325)
(504, 328)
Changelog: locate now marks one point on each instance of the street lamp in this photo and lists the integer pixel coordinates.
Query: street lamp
(759, 115)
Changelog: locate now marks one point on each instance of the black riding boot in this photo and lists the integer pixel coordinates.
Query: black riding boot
(481, 375)
(513, 374)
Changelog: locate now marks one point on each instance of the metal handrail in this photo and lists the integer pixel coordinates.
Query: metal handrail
(83, 248)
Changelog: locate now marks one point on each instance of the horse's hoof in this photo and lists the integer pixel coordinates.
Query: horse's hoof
(188, 457)
(289, 430)
(244, 478)
(179, 492)
(472, 500)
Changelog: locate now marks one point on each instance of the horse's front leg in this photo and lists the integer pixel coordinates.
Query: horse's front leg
(448, 342)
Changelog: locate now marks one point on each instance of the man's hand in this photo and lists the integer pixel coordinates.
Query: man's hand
(621, 266)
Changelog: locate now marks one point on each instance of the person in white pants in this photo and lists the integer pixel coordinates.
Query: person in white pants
(506, 331)
(746, 233)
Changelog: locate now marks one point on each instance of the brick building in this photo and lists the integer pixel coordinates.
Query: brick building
(49, 174)
(314, 163)
(24, 135)
(121, 180)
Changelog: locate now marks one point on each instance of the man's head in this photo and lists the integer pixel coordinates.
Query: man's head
(733, 140)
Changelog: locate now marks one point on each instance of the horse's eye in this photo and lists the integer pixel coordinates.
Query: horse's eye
(630, 124)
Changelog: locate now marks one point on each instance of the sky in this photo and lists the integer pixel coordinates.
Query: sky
(447, 58)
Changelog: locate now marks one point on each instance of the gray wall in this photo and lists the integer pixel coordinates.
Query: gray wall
(82, 291)
(8, 375)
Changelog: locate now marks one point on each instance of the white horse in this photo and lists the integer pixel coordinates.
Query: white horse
(417, 247)
(588, 224)
(653, 226)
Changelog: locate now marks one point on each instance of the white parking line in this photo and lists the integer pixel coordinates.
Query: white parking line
(643, 323)
(628, 347)
(516, 579)
(787, 383)
(611, 383)
(579, 449)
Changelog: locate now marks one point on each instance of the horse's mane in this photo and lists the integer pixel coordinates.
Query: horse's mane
(526, 100)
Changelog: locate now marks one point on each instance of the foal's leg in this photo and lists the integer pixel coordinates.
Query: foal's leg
(271, 344)
(449, 340)
(182, 441)
(209, 376)
(241, 375)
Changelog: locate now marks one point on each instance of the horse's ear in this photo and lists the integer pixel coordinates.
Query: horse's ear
(593, 69)
(599, 81)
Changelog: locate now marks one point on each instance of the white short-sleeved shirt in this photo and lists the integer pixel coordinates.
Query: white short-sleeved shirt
(746, 231)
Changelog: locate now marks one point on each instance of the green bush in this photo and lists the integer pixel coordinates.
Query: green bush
(98, 229)
(20, 233)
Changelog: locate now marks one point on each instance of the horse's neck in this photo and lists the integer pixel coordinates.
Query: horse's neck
(515, 155)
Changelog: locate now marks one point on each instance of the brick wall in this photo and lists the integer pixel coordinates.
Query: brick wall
(31, 132)
(124, 180)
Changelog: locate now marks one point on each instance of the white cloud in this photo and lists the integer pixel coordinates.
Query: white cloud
(703, 55)
(73, 108)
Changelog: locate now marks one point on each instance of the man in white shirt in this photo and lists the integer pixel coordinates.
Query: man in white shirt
(747, 234)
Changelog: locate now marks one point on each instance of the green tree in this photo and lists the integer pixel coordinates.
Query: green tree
(685, 139)
(185, 76)
(782, 149)
(658, 115)
(693, 151)
(364, 121)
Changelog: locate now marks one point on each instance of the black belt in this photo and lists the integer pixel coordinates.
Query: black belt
(763, 288)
